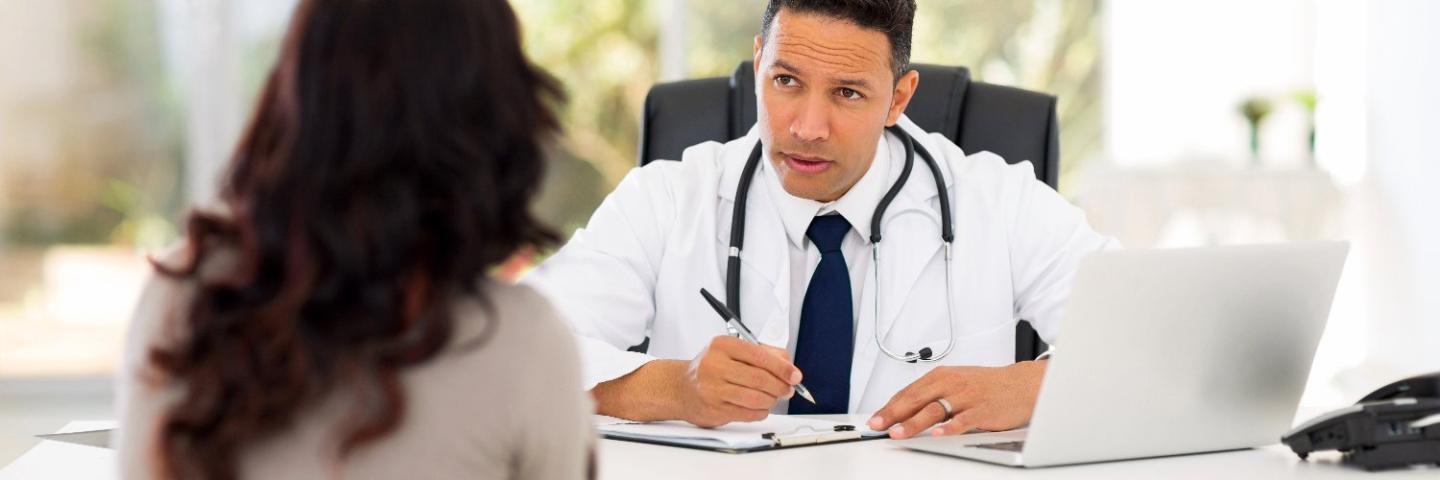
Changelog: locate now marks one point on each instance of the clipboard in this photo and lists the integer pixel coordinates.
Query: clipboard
(776, 432)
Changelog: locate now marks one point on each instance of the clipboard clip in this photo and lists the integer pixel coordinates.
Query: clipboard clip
(807, 435)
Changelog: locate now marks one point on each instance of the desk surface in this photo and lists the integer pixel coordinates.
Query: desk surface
(887, 459)
(52, 459)
(858, 460)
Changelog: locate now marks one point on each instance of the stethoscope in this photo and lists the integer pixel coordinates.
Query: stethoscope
(947, 236)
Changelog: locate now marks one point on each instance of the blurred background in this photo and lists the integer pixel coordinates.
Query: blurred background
(1183, 123)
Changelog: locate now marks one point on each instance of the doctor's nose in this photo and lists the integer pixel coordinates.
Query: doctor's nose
(812, 124)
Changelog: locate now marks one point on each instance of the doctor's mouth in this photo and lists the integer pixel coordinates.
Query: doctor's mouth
(805, 164)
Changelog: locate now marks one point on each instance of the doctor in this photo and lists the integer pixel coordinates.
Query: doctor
(830, 77)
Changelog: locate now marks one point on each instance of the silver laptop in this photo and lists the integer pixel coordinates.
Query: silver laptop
(1167, 352)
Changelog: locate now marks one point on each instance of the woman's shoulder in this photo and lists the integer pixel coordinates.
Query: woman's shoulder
(516, 304)
(514, 296)
(163, 295)
(508, 349)
(508, 320)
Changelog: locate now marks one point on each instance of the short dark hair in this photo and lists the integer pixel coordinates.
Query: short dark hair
(895, 18)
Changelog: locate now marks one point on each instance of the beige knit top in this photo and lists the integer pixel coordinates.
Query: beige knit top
(510, 408)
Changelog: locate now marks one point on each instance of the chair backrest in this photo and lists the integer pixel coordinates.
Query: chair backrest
(1016, 124)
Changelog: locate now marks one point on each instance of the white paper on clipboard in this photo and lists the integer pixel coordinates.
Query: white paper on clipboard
(782, 430)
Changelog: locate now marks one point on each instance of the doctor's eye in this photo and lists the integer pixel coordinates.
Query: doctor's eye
(849, 94)
(786, 81)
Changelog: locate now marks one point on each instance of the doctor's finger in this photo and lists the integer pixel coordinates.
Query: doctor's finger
(748, 376)
(777, 351)
(960, 423)
(906, 403)
(758, 356)
(925, 418)
(737, 413)
(745, 397)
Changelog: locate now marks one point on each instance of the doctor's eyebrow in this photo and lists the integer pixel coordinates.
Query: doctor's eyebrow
(854, 82)
(846, 82)
(787, 66)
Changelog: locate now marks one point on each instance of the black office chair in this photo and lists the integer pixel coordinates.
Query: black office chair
(1015, 124)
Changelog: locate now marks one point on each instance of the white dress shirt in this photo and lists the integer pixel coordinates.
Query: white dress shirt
(857, 206)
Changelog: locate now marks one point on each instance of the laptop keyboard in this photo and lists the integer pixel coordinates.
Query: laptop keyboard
(1006, 446)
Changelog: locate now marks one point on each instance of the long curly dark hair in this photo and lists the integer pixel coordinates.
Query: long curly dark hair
(389, 166)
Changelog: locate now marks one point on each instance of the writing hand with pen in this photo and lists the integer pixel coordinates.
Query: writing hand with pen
(737, 377)
(736, 381)
(733, 379)
(730, 380)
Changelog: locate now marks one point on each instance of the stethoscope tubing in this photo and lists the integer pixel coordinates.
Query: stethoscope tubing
(947, 235)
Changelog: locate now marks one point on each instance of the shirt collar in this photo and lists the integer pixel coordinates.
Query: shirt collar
(857, 205)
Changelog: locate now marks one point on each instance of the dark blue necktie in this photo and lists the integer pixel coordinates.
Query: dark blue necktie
(824, 346)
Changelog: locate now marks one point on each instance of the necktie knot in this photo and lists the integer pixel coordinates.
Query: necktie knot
(827, 231)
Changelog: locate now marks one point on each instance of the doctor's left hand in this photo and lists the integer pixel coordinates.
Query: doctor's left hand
(987, 398)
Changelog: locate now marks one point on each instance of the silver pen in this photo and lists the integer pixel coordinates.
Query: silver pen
(738, 328)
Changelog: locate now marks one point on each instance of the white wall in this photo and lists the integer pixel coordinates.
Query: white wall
(1176, 71)
(1402, 206)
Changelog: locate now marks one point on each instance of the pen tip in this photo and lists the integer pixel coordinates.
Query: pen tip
(806, 395)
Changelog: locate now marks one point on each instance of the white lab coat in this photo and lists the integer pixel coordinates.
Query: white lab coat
(663, 234)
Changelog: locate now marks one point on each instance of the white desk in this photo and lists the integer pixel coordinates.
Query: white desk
(868, 460)
(875, 459)
(52, 459)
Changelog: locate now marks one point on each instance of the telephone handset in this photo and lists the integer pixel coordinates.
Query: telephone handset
(1395, 426)
(1423, 386)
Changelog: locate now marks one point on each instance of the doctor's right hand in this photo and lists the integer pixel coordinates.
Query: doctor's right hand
(734, 380)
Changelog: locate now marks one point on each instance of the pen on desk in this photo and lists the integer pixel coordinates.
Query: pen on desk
(739, 328)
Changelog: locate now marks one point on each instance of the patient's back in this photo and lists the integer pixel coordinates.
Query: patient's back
(507, 406)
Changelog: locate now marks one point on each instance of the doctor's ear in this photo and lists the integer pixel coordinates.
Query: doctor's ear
(755, 60)
(904, 91)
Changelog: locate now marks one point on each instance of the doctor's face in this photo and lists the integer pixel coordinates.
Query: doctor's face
(826, 93)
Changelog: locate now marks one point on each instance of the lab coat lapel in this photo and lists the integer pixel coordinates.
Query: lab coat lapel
(910, 241)
(764, 259)
(865, 349)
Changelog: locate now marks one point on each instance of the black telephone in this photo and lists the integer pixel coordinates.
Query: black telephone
(1395, 426)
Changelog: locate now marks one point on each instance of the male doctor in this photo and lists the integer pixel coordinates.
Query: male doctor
(830, 76)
